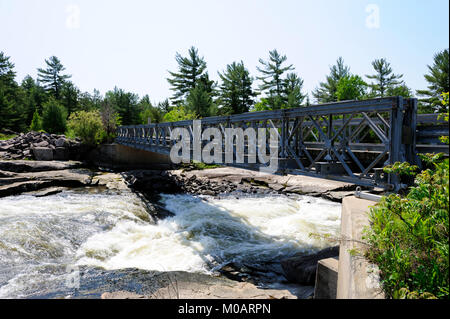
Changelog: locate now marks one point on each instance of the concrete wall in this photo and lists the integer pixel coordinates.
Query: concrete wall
(357, 278)
(118, 156)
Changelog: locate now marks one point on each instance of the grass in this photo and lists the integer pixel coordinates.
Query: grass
(4, 137)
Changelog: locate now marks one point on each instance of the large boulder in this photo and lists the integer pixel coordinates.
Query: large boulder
(43, 153)
(301, 269)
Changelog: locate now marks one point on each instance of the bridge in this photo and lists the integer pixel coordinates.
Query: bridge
(349, 141)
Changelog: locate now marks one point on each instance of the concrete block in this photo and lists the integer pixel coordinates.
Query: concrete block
(326, 279)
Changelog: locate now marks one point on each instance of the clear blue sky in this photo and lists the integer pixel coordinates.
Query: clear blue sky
(132, 44)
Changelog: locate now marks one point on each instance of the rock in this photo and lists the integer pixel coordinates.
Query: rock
(49, 191)
(301, 269)
(27, 182)
(43, 153)
(42, 144)
(37, 166)
(60, 154)
(60, 142)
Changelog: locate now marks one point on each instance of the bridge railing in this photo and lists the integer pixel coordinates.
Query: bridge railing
(348, 141)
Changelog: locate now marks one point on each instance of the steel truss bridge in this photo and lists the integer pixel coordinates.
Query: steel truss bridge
(348, 141)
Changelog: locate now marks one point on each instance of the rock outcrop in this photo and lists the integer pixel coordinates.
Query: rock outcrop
(40, 146)
(301, 269)
(18, 177)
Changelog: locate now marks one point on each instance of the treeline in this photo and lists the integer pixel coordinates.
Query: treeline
(48, 101)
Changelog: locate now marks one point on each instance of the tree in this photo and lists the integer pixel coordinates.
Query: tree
(384, 78)
(125, 104)
(36, 122)
(54, 117)
(326, 92)
(351, 87)
(69, 97)
(399, 90)
(236, 94)
(272, 78)
(87, 126)
(11, 109)
(34, 97)
(110, 120)
(200, 102)
(438, 80)
(52, 78)
(190, 70)
(179, 113)
(292, 89)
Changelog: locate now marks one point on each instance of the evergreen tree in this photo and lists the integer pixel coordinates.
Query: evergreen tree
(236, 94)
(36, 122)
(11, 108)
(54, 117)
(272, 77)
(125, 104)
(293, 91)
(190, 70)
(326, 92)
(384, 78)
(351, 87)
(200, 102)
(52, 77)
(34, 97)
(438, 80)
(69, 97)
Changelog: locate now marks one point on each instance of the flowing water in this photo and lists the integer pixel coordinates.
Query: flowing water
(42, 239)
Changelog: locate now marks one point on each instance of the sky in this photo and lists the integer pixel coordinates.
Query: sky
(132, 44)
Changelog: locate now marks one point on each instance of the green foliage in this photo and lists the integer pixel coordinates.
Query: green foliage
(401, 169)
(326, 92)
(236, 94)
(54, 117)
(179, 113)
(292, 90)
(4, 137)
(409, 237)
(190, 70)
(272, 78)
(351, 87)
(52, 78)
(36, 123)
(438, 82)
(87, 126)
(262, 105)
(125, 104)
(200, 102)
(384, 78)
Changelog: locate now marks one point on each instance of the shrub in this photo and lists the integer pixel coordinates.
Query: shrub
(54, 117)
(87, 126)
(179, 114)
(36, 123)
(409, 236)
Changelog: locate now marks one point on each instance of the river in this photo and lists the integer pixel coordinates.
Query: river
(42, 239)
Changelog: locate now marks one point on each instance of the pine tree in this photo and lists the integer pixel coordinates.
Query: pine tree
(125, 104)
(200, 102)
(438, 80)
(54, 117)
(11, 108)
(69, 97)
(36, 122)
(34, 97)
(384, 78)
(52, 78)
(326, 92)
(292, 89)
(272, 77)
(190, 70)
(236, 94)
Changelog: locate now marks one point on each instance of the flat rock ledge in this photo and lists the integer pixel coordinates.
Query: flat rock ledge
(18, 177)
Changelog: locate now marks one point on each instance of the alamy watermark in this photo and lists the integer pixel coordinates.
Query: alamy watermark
(373, 19)
(234, 150)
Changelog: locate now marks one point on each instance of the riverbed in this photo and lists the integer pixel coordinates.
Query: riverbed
(98, 233)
